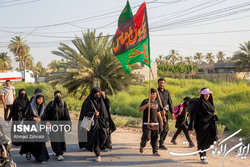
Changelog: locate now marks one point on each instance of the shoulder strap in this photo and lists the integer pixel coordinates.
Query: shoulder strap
(93, 105)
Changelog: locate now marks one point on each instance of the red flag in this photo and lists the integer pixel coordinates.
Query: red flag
(138, 18)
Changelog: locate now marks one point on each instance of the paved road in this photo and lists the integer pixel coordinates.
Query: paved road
(125, 153)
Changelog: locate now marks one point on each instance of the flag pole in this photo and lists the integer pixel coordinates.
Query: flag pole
(149, 96)
(159, 97)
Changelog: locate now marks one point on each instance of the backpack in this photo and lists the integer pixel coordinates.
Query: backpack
(178, 110)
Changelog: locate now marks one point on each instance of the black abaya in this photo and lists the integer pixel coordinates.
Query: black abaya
(57, 111)
(37, 149)
(202, 119)
(100, 133)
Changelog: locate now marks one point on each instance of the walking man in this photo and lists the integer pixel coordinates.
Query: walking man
(8, 96)
(165, 104)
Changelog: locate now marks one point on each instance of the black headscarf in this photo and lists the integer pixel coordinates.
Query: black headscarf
(58, 106)
(186, 100)
(22, 99)
(98, 102)
(38, 91)
(208, 105)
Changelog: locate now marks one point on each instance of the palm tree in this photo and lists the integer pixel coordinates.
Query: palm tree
(181, 60)
(54, 65)
(5, 61)
(243, 56)
(159, 60)
(189, 60)
(167, 60)
(27, 61)
(91, 64)
(174, 56)
(198, 57)
(210, 58)
(229, 59)
(19, 49)
(40, 70)
(221, 57)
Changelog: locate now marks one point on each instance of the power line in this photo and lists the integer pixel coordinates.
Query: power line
(204, 33)
(99, 16)
(198, 19)
(17, 4)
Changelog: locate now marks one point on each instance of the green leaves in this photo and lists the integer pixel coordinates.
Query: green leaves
(243, 56)
(90, 63)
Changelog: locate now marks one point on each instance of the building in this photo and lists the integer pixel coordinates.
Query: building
(144, 71)
(227, 69)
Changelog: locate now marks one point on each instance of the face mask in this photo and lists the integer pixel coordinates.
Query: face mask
(22, 95)
(58, 99)
(97, 97)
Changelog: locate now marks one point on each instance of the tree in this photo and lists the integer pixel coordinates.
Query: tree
(243, 56)
(159, 60)
(210, 58)
(91, 64)
(27, 61)
(221, 57)
(173, 56)
(229, 59)
(19, 49)
(189, 60)
(54, 65)
(39, 69)
(167, 60)
(5, 61)
(198, 57)
(181, 60)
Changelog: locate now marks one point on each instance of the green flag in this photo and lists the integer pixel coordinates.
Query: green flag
(131, 40)
(140, 53)
(126, 14)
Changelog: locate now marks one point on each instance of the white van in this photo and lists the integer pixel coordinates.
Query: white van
(16, 76)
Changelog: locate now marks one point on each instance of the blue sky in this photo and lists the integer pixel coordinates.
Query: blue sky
(188, 26)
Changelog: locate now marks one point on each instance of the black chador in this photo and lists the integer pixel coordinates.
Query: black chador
(57, 112)
(202, 119)
(19, 107)
(37, 149)
(99, 136)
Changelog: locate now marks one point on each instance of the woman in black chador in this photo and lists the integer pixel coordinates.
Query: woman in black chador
(99, 136)
(37, 149)
(57, 112)
(202, 119)
(19, 107)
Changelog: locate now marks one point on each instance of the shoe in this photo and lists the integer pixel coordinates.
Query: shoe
(141, 150)
(156, 154)
(174, 142)
(191, 145)
(43, 162)
(60, 158)
(28, 156)
(204, 161)
(163, 147)
(98, 159)
(105, 150)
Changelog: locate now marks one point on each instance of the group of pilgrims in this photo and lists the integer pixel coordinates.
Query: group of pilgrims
(200, 118)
